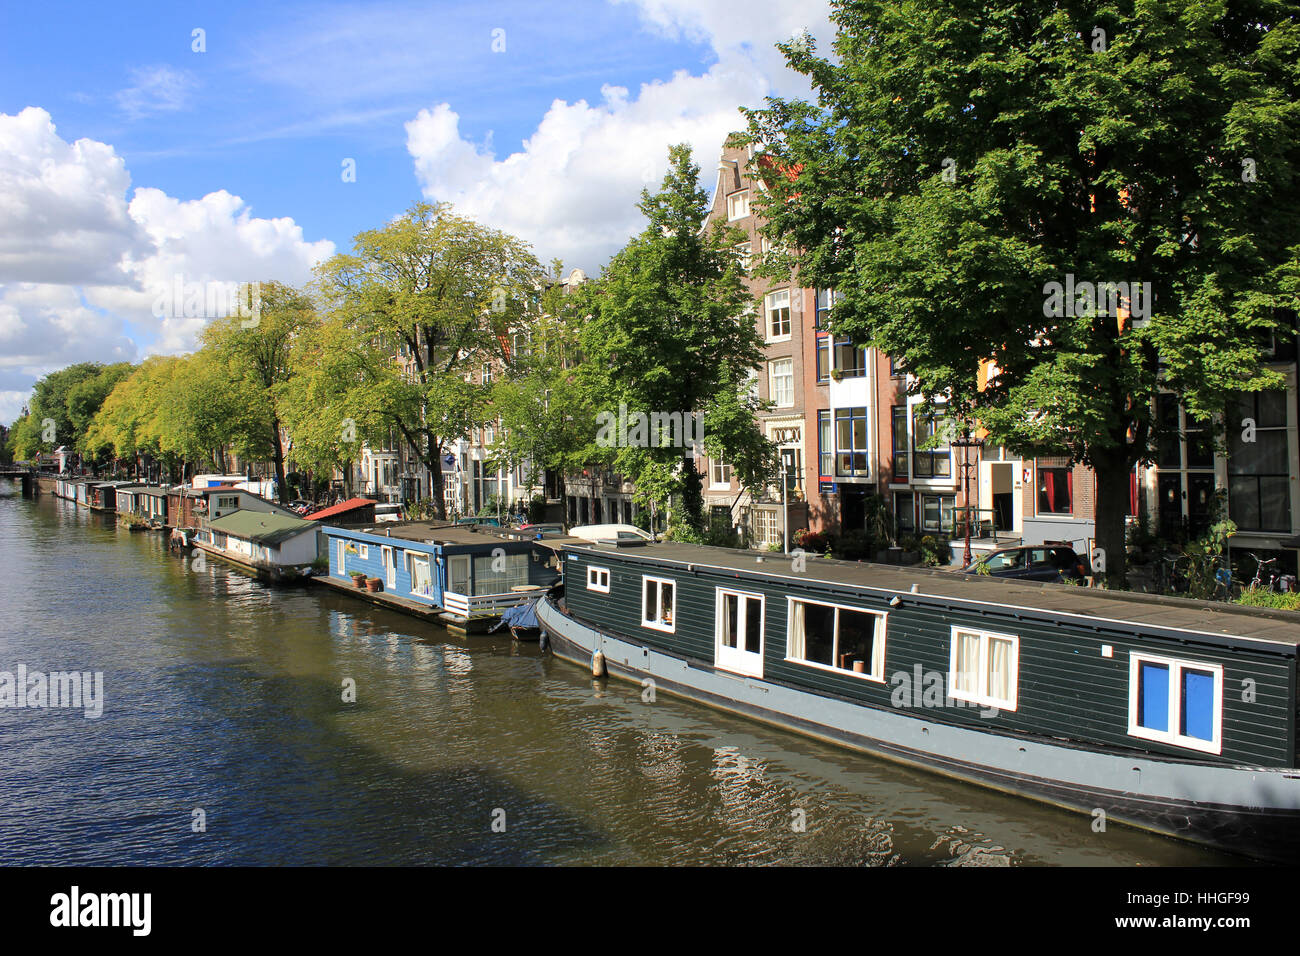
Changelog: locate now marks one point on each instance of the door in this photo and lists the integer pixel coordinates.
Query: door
(390, 567)
(339, 554)
(739, 632)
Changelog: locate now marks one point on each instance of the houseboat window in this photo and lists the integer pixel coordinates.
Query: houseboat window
(497, 574)
(231, 502)
(984, 668)
(417, 565)
(364, 549)
(659, 604)
(840, 638)
(1176, 702)
(598, 579)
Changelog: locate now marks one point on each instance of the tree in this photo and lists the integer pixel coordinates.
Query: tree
(962, 158)
(257, 354)
(441, 293)
(670, 335)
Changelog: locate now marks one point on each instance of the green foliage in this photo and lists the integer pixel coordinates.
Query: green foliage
(1280, 600)
(959, 158)
(934, 549)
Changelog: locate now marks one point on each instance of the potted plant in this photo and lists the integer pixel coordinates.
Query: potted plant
(359, 579)
(374, 584)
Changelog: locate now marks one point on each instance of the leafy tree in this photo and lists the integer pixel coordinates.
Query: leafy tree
(961, 157)
(670, 334)
(257, 351)
(430, 298)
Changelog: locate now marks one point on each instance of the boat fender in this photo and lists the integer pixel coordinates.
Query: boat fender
(543, 641)
(598, 664)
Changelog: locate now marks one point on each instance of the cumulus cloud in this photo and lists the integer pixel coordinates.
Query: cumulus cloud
(572, 187)
(81, 264)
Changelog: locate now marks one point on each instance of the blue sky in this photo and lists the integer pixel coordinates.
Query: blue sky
(127, 158)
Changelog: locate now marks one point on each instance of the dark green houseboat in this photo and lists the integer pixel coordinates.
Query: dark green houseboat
(1173, 715)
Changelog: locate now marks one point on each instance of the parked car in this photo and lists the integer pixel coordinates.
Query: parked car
(1051, 562)
(549, 527)
(610, 532)
(489, 521)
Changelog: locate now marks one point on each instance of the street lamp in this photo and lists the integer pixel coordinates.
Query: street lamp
(965, 443)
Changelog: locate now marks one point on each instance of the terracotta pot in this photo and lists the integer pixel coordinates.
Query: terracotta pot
(359, 580)
(374, 584)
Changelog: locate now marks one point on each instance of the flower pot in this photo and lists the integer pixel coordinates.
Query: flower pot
(374, 584)
(359, 580)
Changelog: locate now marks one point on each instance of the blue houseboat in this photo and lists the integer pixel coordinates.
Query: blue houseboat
(462, 576)
(1173, 715)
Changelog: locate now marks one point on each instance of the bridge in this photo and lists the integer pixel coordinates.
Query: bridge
(20, 473)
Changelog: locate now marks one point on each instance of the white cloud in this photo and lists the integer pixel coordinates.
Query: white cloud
(155, 89)
(572, 188)
(81, 265)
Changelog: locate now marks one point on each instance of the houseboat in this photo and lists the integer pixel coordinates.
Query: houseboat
(1172, 715)
(463, 577)
(102, 495)
(275, 546)
(190, 509)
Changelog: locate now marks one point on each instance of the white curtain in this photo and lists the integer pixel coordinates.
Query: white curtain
(795, 639)
(1000, 669)
(966, 669)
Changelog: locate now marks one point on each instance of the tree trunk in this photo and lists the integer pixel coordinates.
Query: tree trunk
(1110, 507)
(277, 452)
(434, 463)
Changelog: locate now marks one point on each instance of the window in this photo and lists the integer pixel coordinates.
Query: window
(933, 462)
(658, 603)
(826, 298)
(825, 449)
(837, 637)
(1176, 702)
(936, 512)
(598, 579)
(1259, 492)
(823, 358)
(765, 526)
(778, 314)
(228, 502)
(751, 388)
(719, 472)
(487, 374)
(745, 253)
(851, 442)
(781, 382)
(738, 642)
(899, 426)
(850, 360)
(417, 566)
(497, 575)
(738, 205)
(792, 466)
(364, 550)
(1055, 491)
(984, 668)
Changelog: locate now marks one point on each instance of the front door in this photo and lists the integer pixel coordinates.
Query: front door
(739, 633)
(390, 567)
(458, 566)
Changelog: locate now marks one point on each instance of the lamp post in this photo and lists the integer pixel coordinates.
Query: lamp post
(965, 443)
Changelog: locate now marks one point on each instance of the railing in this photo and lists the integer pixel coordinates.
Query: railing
(482, 605)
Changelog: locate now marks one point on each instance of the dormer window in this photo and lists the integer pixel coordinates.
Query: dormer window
(738, 205)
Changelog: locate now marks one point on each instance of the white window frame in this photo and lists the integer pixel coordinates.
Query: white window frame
(363, 551)
(646, 581)
(771, 382)
(718, 466)
(981, 695)
(1172, 736)
(594, 574)
(737, 660)
(745, 253)
(769, 307)
(738, 200)
(877, 673)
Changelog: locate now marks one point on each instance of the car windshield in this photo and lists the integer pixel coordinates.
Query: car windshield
(1004, 561)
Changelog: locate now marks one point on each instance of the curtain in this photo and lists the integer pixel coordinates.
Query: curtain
(795, 639)
(966, 667)
(999, 667)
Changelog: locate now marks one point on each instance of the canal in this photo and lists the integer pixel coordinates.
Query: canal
(225, 739)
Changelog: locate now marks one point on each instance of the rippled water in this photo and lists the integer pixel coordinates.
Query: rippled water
(224, 695)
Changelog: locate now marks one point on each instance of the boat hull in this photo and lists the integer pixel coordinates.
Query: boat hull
(1249, 811)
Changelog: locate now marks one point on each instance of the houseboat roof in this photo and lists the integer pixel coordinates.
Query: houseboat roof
(447, 534)
(260, 526)
(343, 507)
(1212, 618)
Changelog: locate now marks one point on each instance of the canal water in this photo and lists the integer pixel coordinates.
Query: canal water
(225, 739)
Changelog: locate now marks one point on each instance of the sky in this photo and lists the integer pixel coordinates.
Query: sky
(150, 146)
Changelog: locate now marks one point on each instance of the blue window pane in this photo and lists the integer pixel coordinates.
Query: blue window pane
(1198, 705)
(1153, 696)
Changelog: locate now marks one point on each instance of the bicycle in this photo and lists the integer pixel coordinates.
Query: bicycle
(1259, 570)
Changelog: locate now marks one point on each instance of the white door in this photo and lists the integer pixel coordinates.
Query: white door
(459, 573)
(739, 632)
(390, 567)
(341, 561)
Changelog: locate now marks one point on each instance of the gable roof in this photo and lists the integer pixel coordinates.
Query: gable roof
(262, 527)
